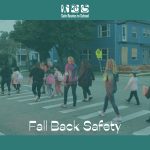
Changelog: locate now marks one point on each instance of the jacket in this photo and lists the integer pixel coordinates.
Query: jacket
(85, 80)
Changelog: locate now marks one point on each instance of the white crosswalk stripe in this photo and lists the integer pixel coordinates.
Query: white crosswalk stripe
(58, 105)
(95, 114)
(14, 93)
(1, 133)
(22, 91)
(82, 108)
(134, 115)
(26, 93)
(20, 97)
(145, 131)
(31, 99)
(48, 101)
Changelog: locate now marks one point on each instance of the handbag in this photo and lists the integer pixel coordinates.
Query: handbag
(146, 91)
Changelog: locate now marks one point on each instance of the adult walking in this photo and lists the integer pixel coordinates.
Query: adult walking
(37, 75)
(110, 78)
(6, 73)
(70, 80)
(85, 79)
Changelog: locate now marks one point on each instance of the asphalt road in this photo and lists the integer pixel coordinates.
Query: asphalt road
(18, 113)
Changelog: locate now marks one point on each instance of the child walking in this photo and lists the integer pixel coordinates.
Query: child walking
(50, 81)
(16, 79)
(133, 85)
(58, 81)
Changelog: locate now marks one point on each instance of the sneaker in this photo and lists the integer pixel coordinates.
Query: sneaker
(64, 106)
(2, 93)
(117, 119)
(90, 98)
(8, 93)
(102, 113)
(37, 99)
(85, 100)
(127, 101)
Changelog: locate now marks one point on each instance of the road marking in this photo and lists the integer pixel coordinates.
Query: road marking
(134, 115)
(27, 93)
(27, 85)
(1, 133)
(82, 107)
(20, 97)
(47, 101)
(13, 93)
(145, 131)
(95, 114)
(30, 99)
(58, 105)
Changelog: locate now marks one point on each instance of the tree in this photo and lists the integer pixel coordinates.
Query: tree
(8, 48)
(42, 35)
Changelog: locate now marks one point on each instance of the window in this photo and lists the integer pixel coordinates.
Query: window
(105, 54)
(104, 30)
(134, 32)
(86, 54)
(134, 53)
(146, 32)
(124, 32)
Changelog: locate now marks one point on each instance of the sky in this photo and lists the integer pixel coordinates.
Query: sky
(6, 25)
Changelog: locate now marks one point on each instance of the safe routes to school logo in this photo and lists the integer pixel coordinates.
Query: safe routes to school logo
(75, 11)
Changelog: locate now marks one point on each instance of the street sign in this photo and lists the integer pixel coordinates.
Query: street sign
(99, 53)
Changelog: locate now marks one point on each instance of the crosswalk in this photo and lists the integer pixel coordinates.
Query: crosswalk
(145, 131)
(95, 114)
(83, 111)
(1, 133)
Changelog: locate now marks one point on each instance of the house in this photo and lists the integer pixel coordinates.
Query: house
(127, 41)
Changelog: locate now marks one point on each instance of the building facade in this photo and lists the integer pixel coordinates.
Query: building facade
(26, 57)
(127, 41)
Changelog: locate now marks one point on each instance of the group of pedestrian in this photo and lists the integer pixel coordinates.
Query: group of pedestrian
(51, 78)
(71, 79)
(9, 77)
(47, 77)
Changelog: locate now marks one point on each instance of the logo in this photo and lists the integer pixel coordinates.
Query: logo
(74, 8)
(84, 8)
(75, 11)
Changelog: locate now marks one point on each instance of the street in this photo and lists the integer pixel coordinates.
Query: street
(17, 110)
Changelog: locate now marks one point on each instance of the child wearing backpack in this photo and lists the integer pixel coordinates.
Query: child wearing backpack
(50, 81)
(58, 81)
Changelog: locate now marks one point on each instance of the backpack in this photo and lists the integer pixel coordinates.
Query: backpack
(60, 76)
(50, 79)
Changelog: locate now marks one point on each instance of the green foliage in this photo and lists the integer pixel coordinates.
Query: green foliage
(41, 35)
(7, 45)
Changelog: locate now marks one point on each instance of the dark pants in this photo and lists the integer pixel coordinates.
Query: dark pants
(86, 91)
(112, 101)
(3, 82)
(36, 88)
(134, 93)
(66, 88)
(17, 87)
